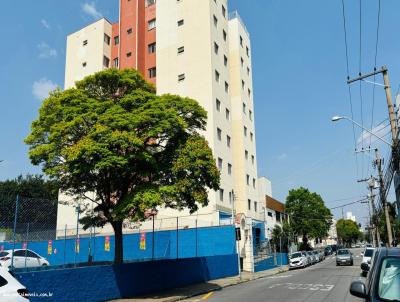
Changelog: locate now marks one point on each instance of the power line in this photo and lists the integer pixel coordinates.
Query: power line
(360, 86)
(347, 204)
(348, 77)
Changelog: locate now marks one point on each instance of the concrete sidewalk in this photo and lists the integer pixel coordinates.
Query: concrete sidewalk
(186, 292)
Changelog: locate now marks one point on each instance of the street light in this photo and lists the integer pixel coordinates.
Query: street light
(338, 118)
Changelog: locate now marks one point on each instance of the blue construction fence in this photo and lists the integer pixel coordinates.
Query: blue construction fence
(141, 246)
(272, 261)
(109, 282)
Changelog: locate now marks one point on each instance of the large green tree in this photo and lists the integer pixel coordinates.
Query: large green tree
(308, 215)
(112, 135)
(348, 231)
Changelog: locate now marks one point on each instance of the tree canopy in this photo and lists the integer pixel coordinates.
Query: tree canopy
(137, 151)
(309, 217)
(348, 231)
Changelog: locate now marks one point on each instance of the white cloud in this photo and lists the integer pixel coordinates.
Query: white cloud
(45, 23)
(282, 156)
(45, 51)
(380, 131)
(91, 10)
(41, 88)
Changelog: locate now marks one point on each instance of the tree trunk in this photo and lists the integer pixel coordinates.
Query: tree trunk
(305, 241)
(118, 251)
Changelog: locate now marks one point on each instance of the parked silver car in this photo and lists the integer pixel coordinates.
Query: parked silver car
(344, 256)
(312, 257)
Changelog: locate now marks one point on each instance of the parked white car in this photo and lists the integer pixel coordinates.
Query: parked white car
(10, 289)
(22, 258)
(366, 260)
(298, 259)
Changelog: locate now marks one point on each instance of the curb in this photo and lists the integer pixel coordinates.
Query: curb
(206, 291)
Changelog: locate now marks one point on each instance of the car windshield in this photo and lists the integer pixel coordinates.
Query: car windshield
(389, 280)
(2, 254)
(296, 255)
(343, 252)
(368, 253)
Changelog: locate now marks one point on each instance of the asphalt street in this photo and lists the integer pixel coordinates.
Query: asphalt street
(322, 282)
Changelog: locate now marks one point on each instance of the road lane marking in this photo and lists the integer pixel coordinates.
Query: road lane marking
(206, 296)
(301, 286)
(279, 277)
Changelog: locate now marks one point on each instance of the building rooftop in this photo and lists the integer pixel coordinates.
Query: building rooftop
(235, 15)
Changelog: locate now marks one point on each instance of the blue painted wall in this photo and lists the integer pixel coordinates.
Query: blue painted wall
(269, 263)
(101, 283)
(201, 242)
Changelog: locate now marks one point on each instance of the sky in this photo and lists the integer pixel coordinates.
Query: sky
(299, 75)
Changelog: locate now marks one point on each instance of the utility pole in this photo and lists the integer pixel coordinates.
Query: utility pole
(394, 131)
(373, 228)
(378, 164)
(371, 196)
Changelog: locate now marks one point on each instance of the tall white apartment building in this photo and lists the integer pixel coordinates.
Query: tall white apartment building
(193, 49)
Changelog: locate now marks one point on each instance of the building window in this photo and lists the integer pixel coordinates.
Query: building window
(246, 154)
(223, 11)
(226, 87)
(230, 197)
(107, 39)
(241, 41)
(181, 22)
(152, 72)
(85, 42)
(245, 131)
(215, 21)
(217, 76)
(151, 24)
(227, 114)
(229, 169)
(116, 40)
(181, 50)
(224, 35)
(250, 115)
(270, 214)
(247, 51)
(218, 104)
(249, 204)
(151, 2)
(252, 160)
(254, 183)
(219, 134)
(106, 61)
(228, 141)
(221, 194)
(129, 54)
(216, 48)
(244, 108)
(243, 85)
(84, 64)
(251, 136)
(249, 92)
(241, 61)
(225, 61)
(181, 77)
(219, 163)
(129, 31)
(248, 71)
(248, 179)
(255, 206)
(116, 62)
(151, 47)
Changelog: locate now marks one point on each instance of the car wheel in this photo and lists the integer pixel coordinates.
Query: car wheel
(351, 263)
(44, 264)
(337, 264)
